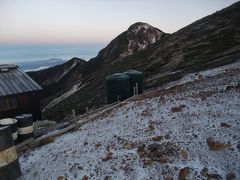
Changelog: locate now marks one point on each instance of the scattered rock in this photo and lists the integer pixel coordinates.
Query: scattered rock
(168, 178)
(156, 154)
(106, 177)
(214, 176)
(79, 167)
(204, 172)
(127, 169)
(128, 145)
(151, 127)
(85, 178)
(184, 153)
(157, 138)
(176, 168)
(153, 147)
(195, 135)
(146, 112)
(141, 148)
(228, 88)
(113, 168)
(237, 87)
(97, 145)
(230, 176)
(108, 157)
(183, 173)
(74, 167)
(167, 136)
(216, 145)
(147, 162)
(85, 143)
(225, 125)
(61, 178)
(163, 159)
(177, 108)
(238, 146)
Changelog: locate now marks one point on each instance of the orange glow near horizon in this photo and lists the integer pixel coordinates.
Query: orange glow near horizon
(93, 21)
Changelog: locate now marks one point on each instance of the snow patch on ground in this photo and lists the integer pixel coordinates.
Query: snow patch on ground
(66, 71)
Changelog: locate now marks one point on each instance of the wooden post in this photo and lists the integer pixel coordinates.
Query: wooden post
(37, 124)
(136, 88)
(87, 112)
(118, 98)
(134, 91)
(74, 117)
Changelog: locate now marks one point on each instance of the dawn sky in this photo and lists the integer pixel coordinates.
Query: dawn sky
(94, 21)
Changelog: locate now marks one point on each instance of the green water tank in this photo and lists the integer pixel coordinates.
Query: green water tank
(136, 81)
(118, 87)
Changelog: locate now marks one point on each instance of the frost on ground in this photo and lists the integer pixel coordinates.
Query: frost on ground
(190, 131)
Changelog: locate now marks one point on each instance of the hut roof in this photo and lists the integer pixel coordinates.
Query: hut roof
(14, 81)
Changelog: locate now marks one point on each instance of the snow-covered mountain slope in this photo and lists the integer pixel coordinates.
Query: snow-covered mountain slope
(187, 130)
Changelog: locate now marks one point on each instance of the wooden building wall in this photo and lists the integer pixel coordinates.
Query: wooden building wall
(13, 105)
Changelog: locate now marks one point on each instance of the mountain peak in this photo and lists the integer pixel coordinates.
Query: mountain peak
(140, 25)
(138, 37)
(137, 25)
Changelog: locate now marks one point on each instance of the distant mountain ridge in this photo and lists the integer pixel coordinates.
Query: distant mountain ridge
(209, 42)
(41, 64)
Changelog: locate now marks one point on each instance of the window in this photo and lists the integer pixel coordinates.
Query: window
(7, 103)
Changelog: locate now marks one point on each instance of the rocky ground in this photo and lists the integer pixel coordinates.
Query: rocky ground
(189, 129)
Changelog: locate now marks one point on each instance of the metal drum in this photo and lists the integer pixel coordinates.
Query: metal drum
(9, 165)
(25, 126)
(13, 124)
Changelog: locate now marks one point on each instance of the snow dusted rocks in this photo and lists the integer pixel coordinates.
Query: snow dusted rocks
(145, 139)
(216, 145)
(139, 36)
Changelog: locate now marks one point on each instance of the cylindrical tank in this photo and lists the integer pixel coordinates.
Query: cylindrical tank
(13, 124)
(9, 165)
(136, 81)
(118, 87)
(25, 126)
